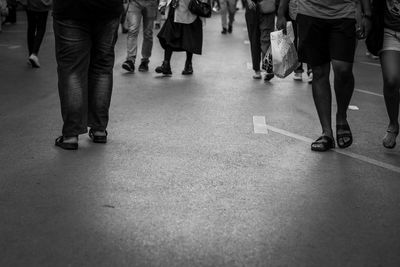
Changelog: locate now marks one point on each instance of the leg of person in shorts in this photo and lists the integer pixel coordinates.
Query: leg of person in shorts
(390, 62)
(323, 42)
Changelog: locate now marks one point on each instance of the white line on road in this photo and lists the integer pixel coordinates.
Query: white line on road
(370, 63)
(10, 46)
(259, 124)
(368, 92)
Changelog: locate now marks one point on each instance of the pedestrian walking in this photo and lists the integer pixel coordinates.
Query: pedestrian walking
(138, 11)
(327, 35)
(37, 12)
(85, 35)
(228, 10)
(182, 31)
(390, 62)
(260, 23)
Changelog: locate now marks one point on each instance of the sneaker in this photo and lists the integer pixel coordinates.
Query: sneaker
(224, 31)
(310, 77)
(165, 68)
(144, 66)
(129, 65)
(298, 76)
(34, 61)
(257, 75)
(188, 70)
(230, 29)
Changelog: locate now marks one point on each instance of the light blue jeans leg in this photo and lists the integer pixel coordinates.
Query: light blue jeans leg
(133, 16)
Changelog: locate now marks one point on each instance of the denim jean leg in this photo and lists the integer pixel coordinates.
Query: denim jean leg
(148, 24)
(73, 43)
(267, 25)
(134, 17)
(101, 72)
(224, 13)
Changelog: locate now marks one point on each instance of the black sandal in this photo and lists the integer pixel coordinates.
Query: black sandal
(68, 146)
(346, 133)
(102, 139)
(323, 143)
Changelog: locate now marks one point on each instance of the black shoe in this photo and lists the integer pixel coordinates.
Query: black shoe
(165, 68)
(188, 70)
(102, 139)
(224, 31)
(323, 143)
(144, 66)
(67, 146)
(230, 28)
(129, 65)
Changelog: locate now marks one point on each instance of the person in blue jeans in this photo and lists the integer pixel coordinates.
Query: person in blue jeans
(139, 10)
(85, 36)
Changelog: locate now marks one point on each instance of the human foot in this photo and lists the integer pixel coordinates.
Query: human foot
(389, 140)
(68, 143)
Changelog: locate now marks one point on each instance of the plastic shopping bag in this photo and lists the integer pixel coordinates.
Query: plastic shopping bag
(284, 54)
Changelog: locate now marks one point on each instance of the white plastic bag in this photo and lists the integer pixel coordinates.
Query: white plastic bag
(284, 54)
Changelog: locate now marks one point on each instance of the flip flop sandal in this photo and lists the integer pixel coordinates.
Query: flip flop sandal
(346, 133)
(390, 136)
(68, 146)
(102, 139)
(323, 143)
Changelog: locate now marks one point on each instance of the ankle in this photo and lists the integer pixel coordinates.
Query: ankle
(327, 132)
(393, 127)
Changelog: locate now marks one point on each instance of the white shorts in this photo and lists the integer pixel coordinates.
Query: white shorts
(391, 40)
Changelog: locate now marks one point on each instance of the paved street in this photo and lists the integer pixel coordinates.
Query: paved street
(209, 170)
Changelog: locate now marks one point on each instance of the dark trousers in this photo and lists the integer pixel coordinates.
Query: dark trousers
(299, 69)
(36, 29)
(85, 60)
(259, 27)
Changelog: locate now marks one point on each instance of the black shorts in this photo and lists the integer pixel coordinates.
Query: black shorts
(321, 40)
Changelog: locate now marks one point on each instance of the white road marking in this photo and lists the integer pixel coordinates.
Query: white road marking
(14, 46)
(259, 124)
(370, 63)
(260, 127)
(10, 46)
(367, 92)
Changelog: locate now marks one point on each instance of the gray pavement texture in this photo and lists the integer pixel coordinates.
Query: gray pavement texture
(184, 180)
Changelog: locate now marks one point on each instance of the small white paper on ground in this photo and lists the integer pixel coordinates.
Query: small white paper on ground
(246, 42)
(260, 127)
(352, 107)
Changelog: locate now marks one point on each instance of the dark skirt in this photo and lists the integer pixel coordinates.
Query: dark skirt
(181, 37)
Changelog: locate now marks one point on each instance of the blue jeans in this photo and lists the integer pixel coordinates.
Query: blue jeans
(138, 10)
(85, 61)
